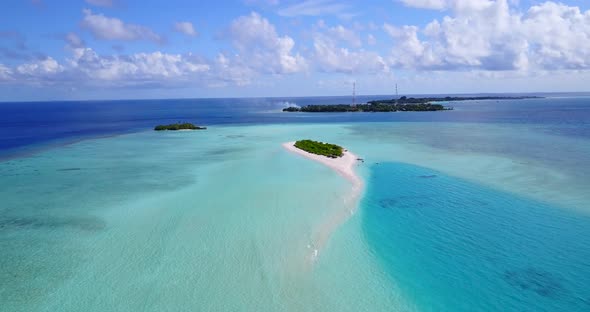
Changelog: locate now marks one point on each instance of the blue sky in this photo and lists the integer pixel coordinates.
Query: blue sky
(116, 49)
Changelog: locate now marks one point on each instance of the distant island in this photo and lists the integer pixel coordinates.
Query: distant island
(372, 107)
(179, 126)
(403, 104)
(320, 148)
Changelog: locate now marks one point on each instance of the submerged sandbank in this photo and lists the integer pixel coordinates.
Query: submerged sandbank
(344, 166)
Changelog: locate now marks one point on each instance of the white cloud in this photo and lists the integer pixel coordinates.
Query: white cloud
(5, 73)
(426, 4)
(261, 48)
(338, 49)
(103, 3)
(559, 35)
(228, 72)
(136, 68)
(86, 68)
(40, 68)
(488, 35)
(457, 5)
(316, 8)
(409, 51)
(186, 28)
(258, 49)
(344, 34)
(479, 39)
(329, 57)
(110, 28)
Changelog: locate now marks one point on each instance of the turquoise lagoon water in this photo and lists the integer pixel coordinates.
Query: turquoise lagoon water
(458, 246)
(223, 219)
(455, 216)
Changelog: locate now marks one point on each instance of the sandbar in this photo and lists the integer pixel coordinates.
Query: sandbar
(344, 166)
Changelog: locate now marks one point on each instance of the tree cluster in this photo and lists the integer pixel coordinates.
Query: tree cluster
(320, 148)
(178, 126)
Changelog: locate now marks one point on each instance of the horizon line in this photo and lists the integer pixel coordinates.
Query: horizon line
(298, 96)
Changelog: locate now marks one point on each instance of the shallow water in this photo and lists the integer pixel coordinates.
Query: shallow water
(455, 216)
(156, 221)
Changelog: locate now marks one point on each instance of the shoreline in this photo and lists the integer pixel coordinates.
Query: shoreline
(343, 166)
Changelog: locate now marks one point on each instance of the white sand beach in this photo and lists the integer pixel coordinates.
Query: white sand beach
(344, 166)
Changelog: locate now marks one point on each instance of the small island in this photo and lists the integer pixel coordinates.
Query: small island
(179, 126)
(320, 148)
(403, 104)
(344, 163)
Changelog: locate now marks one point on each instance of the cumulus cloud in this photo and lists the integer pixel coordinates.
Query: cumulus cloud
(258, 49)
(488, 35)
(345, 34)
(134, 68)
(86, 67)
(186, 28)
(44, 70)
(229, 72)
(559, 36)
(261, 48)
(330, 58)
(329, 54)
(110, 28)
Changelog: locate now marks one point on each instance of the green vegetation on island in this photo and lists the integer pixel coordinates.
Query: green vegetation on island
(179, 126)
(411, 100)
(373, 107)
(403, 104)
(320, 148)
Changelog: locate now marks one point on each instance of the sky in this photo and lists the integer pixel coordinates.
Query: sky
(136, 49)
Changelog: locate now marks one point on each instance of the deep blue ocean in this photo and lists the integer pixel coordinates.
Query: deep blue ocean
(30, 125)
(448, 243)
